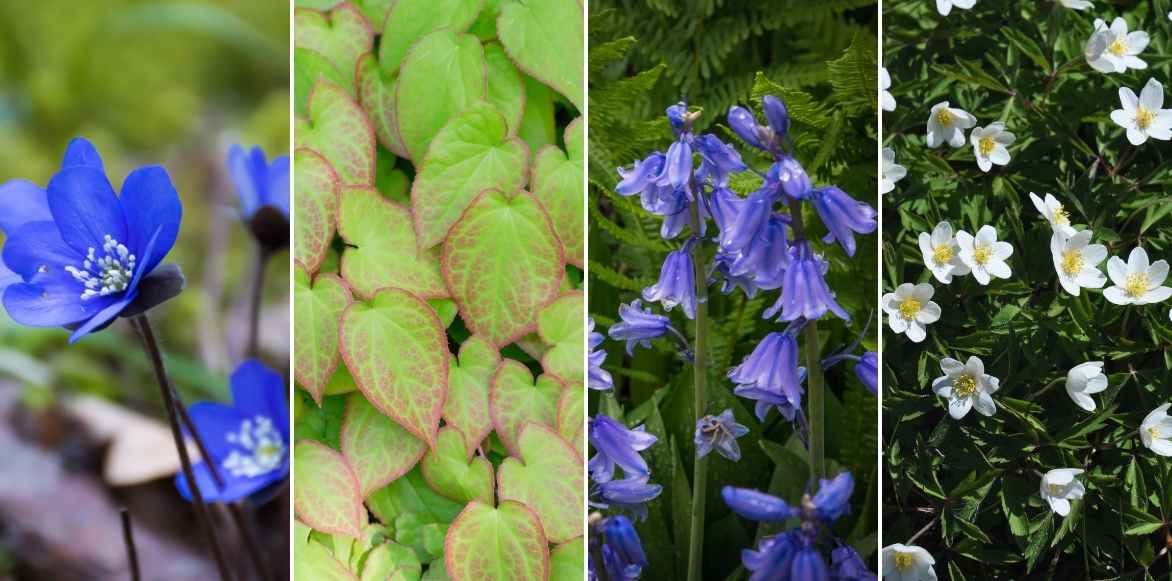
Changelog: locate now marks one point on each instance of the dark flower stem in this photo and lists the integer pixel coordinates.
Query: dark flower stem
(243, 520)
(700, 384)
(143, 325)
(816, 391)
(258, 291)
(131, 551)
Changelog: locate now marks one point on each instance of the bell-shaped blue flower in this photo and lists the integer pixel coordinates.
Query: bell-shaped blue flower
(630, 494)
(773, 558)
(847, 565)
(259, 183)
(638, 326)
(808, 563)
(770, 375)
(724, 205)
(248, 441)
(843, 216)
(80, 267)
(599, 378)
(751, 214)
(642, 175)
(804, 292)
(833, 498)
(791, 177)
(616, 445)
(622, 550)
(867, 370)
(719, 433)
(757, 506)
(717, 160)
(679, 165)
(742, 122)
(677, 283)
(777, 115)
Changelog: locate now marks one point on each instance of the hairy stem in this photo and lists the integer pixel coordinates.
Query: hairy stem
(170, 402)
(700, 384)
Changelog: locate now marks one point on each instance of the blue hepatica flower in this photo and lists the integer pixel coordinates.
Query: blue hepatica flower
(843, 216)
(719, 433)
(78, 249)
(638, 326)
(616, 445)
(677, 283)
(259, 183)
(247, 441)
(600, 378)
(867, 370)
(770, 375)
(804, 292)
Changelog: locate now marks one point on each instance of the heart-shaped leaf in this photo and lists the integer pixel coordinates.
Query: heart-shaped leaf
(560, 325)
(411, 20)
(315, 191)
(506, 85)
(391, 561)
(375, 11)
(341, 36)
(545, 40)
(308, 67)
(313, 561)
(326, 496)
(381, 250)
(317, 310)
(448, 471)
(376, 92)
(515, 399)
(567, 561)
(548, 477)
(537, 124)
(466, 407)
(442, 74)
(571, 418)
(377, 448)
(496, 544)
(397, 352)
(338, 129)
(557, 183)
(472, 153)
(502, 262)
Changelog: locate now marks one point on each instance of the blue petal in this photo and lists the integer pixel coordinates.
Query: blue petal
(22, 202)
(234, 488)
(756, 506)
(85, 208)
(679, 164)
(242, 170)
(102, 317)
(256, 389)
(36, 249)
(279, 184)
(742, 122)
(776, 114)
(151, 204)
(808, 565)
(215, 421)
(7, 277)
(53, 303)
(81, 152)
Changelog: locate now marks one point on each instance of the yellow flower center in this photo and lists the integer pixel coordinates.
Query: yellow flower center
(1136, 284)
(944, 117)
(1144, 117)
(981, 254)
(942, 254)
(1061, 216)
(964, 386)
(985, 145)
(1072, 262)
(1055, 489)
(909, 308)
(1154, 432)
(1117, 47)
(904, 561)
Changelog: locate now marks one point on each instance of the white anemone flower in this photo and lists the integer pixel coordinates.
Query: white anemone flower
(947, 125)
(945, 6)
(1156, 431)
(886, 100)
(1076, 4)
(1060, 486)
(907, 563)
(991, 145)
(966, 386)
(1144, 116)
(1076, 261)
(1113, 49)
(942, 254)
(1137, 282)
(910, 310)
(892, 172)
(984, 254)
(1054, 213)
(1083, 380)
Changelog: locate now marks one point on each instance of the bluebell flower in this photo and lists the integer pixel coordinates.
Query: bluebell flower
(867, 370)
(639, 326)
(789, 175)
(630, 494)
(742, 122)
(804, 292)
(720, 433)
(751, 215)
(777, 115)
(771, 376)
(649, 179)
(248, 441)
(615, 444)
(773, 558)
(259, 183)
(622, 550)
(808, 564)
(833, 498)
(717, 160)
(641, 176)
(847, 565)
(599, 378)
(82, 253)
(677, 283)
(679, 165)
(724, 205)
(843, 216)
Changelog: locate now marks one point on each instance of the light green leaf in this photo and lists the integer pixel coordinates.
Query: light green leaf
(449, 471)
(496, 544)
(377, 448)
(567, 561)
(337, 128)
(548, 477)
(558, 183)
(376, 92)
(381, 248)
(545, 40)
(560, 325)
(410, 20)
(317, 310)
(506, 85)
(327, 496)
(443, 73)
(341, 36)
(515, 399)
(315, 208)
(571, 417)
(466, 407)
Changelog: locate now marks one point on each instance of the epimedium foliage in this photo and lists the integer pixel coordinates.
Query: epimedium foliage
(439, 248)
(644, 430)
(1046, 482)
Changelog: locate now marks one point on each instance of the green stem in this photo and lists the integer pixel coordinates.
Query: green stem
(700, 384)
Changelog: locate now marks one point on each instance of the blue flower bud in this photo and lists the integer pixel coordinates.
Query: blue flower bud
(639, 326)
(717, 160)
(791, 177)
(679, 164)
(630, 494)
(808, 564)
(675, 115)
(742, 122)
(843, 216)
(614, 444)
(867, 370)
(777, 115)
(804, 292)
(757, 506)
(773, 558)
(623, 541)
(676, 285)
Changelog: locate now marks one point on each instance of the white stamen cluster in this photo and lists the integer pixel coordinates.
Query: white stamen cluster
(263, 450)
(106, 275)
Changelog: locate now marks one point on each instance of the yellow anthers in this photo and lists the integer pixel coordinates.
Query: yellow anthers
(1144, 117)
(904, 561)
(944, 116)
(1072, 262)
(964, 386)
(1061, 216)
(942, 254)
(1136, 284)
(982, 253)
(909, 308)
(986, 146)
(1117, 47)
